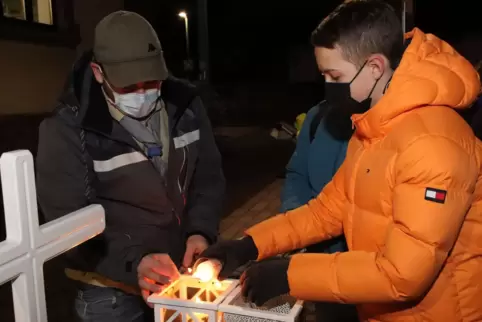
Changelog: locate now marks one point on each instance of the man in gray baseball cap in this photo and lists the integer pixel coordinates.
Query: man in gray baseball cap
(137, 141)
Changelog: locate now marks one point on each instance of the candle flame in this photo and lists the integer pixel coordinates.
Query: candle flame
(204, 272)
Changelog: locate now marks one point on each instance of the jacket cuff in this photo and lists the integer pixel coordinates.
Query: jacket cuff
(211, 239)
(249, 249)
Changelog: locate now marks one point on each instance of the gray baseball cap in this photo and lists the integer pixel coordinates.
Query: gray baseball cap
(128, 49)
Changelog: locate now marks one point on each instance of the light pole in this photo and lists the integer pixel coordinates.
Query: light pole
(409, 14)
(203, 39)
(184, 16)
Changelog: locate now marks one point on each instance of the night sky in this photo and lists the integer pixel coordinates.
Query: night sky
(259, 34)
(448, 19)
(250, 40)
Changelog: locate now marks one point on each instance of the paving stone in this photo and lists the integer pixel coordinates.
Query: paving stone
(260, 207)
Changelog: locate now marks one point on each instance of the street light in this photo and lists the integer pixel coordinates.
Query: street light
(184, 16)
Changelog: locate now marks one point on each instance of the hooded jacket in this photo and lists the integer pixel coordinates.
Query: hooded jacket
(86, 157)
(408, 199)
(312, 165)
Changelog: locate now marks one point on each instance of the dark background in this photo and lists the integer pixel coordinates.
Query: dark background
(250, 39)
(254, 46)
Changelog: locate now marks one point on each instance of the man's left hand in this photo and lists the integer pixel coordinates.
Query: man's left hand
(195, 245)
(265, 280)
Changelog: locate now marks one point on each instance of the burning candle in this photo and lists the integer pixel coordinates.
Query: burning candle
(207, 270)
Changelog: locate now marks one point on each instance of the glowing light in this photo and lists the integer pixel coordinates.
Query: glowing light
(207, 270)
(183, 14)
(204, 272)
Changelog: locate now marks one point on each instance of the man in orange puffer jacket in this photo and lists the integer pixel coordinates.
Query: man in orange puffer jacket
(408, 196)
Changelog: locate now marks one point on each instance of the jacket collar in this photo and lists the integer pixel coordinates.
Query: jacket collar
(83, 92)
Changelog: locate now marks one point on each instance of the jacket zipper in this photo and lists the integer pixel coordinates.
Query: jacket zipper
(353, 190)
(184, 186)
(179, 186)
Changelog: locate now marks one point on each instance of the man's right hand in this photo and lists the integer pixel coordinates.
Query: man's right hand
(232, 254)
(154, 272)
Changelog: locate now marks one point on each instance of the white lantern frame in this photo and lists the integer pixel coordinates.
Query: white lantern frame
(212, 302)
(179, 298)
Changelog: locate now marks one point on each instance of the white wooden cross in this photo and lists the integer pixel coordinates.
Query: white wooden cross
(29, 245)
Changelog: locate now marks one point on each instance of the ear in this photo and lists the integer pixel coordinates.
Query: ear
(378, 65)
(97, 70)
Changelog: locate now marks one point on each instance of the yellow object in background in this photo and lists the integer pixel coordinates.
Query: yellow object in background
(300, 119)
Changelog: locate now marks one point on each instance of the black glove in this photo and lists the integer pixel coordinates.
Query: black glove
(232, 254)
(265, 280)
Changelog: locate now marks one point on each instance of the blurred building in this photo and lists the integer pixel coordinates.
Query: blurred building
(39, 40)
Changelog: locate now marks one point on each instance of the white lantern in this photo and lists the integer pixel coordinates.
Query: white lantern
(191, 300)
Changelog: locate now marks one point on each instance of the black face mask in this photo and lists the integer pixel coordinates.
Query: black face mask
(343, 106)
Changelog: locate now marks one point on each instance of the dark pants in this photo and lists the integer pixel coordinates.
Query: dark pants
(102, 304)
(335, 312)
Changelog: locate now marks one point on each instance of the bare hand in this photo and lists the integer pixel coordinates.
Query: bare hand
(154, 272)
(195, 245)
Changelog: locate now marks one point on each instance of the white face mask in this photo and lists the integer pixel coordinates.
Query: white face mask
(137, 105)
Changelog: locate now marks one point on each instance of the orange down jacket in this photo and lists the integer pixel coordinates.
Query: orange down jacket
(408, 198)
